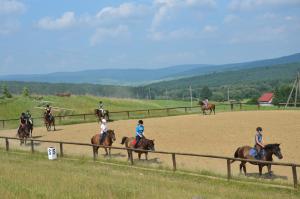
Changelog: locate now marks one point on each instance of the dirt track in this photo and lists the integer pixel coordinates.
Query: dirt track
(217, 134)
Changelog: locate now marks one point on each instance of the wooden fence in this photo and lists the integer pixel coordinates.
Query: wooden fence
(128, 114)
(172, 154)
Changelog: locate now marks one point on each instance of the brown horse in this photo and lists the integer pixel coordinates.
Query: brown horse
(269, 151)
(144, 144)
(102, 115)
(49, 121)
(23, 133)
(210, 107)
(108, 141)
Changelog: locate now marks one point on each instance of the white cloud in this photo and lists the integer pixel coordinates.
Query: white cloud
(65, 21)
(11, 7)
(252, 4)
(288, 18)
(210, 29)
(103, 34)
(164, 7)
(124, 10)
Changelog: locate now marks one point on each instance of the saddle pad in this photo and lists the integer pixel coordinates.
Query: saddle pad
(133, 142)
(253, 152)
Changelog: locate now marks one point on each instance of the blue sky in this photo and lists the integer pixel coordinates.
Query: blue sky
(63, 35)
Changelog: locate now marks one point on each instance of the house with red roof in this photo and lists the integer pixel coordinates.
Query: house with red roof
(266, 99)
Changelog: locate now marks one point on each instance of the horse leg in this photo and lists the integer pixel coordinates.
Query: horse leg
(139, 154)
(109, 152)
(260, 169)
(244, 168)
(146, 155)
(106, 153)
(269, 170)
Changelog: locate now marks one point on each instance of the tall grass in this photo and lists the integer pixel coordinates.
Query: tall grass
(33, 176)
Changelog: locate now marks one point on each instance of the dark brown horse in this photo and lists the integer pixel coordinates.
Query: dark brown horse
(23, 133)
(49, 121)
(210, 107)
(108, 141)
(269, 151)
(102, 114)
(144, 144)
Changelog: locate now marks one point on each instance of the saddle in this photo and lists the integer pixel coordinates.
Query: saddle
(253, 152)
(133, 142)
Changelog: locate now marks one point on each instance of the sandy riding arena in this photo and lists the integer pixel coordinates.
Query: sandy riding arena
(218, 134)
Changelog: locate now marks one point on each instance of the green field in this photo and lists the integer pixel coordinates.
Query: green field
(23, 175)
(10, 108)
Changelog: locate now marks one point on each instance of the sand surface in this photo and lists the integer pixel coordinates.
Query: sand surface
(218, 134)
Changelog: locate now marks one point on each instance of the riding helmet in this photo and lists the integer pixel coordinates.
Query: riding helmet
(141, 122)
(258, 129)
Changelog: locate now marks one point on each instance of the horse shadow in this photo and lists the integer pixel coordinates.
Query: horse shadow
(116, 155)
(150, 161)
(34, 144)
(267, 176)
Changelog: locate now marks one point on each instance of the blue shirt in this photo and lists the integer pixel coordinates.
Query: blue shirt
(139, 130)
(259, 137)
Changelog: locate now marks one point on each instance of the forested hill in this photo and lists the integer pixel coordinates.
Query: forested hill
(282, 72)
(245, 83)
(145, 76)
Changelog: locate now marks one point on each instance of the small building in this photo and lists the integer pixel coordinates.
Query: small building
(266, 99)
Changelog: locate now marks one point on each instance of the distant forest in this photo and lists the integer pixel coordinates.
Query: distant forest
(241, 84)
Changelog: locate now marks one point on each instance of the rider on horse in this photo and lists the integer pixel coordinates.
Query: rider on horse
(48, 111)
(22, 120)
(28, 117)
(259, 142)
(101, 107)
(103, 128)
(139, 132)
(205, 102)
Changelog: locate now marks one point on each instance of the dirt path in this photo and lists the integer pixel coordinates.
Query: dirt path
(217, 134)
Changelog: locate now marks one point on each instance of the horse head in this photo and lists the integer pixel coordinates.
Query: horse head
(274, 149)
(150, 145)
(111, 134)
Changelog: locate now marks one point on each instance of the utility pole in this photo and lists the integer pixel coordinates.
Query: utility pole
(149, 93)
(191, 95)
(296, 86)
(228, 94)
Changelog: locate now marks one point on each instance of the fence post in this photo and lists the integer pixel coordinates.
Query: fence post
(61, 149)
(240, 106)
(32, 146)
(130, 156)
(128, 114)
(295, 176)
(185, 109)
(258, 106)
(167, 111)
(3, 123)
(94, 153)
(228, 169)
(83, 116)
(6, 144)
(148, 112)
(231, 106)
(174, 161)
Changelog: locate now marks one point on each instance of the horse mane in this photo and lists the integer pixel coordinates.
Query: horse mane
(271, 146)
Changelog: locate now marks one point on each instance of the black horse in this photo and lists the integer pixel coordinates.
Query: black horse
(49, 121)
(144, 144)
(104, 114)
(23, 133)
(269, 151)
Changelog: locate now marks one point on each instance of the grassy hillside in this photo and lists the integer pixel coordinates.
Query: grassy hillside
(33, 176)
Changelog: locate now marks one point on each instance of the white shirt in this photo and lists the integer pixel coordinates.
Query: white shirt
(103, 128)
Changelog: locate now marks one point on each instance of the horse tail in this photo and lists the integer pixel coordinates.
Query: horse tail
(123, 140)
(236, 155)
